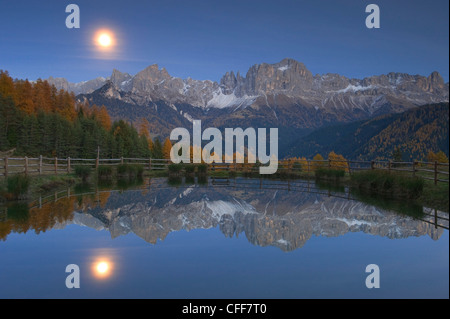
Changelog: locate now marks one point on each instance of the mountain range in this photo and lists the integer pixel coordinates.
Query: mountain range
(284, 95)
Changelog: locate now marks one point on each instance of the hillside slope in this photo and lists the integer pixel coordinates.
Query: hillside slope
(415, 132)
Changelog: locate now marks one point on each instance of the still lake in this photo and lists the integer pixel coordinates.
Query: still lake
(239, 238)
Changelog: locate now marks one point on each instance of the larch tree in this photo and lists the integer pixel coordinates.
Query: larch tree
(104, 118)
(317, 162)
(167, 147)
(7, 88)
(24, 97)
(337, 161)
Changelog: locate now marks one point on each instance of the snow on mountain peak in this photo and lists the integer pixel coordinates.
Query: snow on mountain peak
(221, 100)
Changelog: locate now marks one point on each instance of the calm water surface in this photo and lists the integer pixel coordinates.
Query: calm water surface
(242, 238)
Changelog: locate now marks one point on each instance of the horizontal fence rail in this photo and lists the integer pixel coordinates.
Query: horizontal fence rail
(437, 172)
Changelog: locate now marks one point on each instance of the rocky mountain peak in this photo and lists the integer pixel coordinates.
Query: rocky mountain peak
(60, 83)
(285, 83)
(228, 83)
(145, 80)
(436, 81)
(110, 90)
(152, 73)
(120, 79)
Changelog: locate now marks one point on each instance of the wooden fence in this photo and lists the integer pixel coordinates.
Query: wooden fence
(54, 165)
(437, 172)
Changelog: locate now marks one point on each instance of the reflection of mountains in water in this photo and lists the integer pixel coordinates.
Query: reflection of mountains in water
(281, 218)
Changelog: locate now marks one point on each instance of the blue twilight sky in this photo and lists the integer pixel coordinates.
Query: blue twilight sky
(205, 39)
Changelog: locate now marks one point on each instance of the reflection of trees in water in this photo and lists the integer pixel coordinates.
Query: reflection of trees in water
(407, 208)
(19, 218)
(282, 209)
(44, 214)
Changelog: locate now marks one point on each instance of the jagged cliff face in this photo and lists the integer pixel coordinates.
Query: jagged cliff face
(289, 79)
(266, 217)
(85, 87)
(285, 95)
(296, 83)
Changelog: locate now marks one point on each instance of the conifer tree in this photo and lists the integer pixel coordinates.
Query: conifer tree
(397, 155)
(157, 151)
(9, 122)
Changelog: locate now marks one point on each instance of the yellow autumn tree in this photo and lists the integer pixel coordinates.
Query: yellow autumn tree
(144, 128)
(439, 157)
(7, 88)
(64, 104)
(24, 97)
(167, 147)
(104, 118)
(442, 158)
(101, 115)
(337, 161)
(42, 96)
(431, 157)
(317, 162)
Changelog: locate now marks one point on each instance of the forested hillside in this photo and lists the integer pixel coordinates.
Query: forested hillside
(414, 134)
(37, 119)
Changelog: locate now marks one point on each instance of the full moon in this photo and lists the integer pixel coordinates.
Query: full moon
(102, 267)
(104, 40)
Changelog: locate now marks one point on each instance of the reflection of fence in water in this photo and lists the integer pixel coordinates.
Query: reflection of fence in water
(430, 216)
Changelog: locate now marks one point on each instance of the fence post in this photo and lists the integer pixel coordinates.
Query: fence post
(40, 164)
(68, 165)
(150, 164)
(329, 163)
(414, 169)
(96, 162)
(26, 166)
(435, 172)
(372, 165)
(121, 160)
(6, 166)
(435, 219)
(56, 166)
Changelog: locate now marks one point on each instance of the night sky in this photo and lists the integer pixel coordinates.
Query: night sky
(205, 39)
